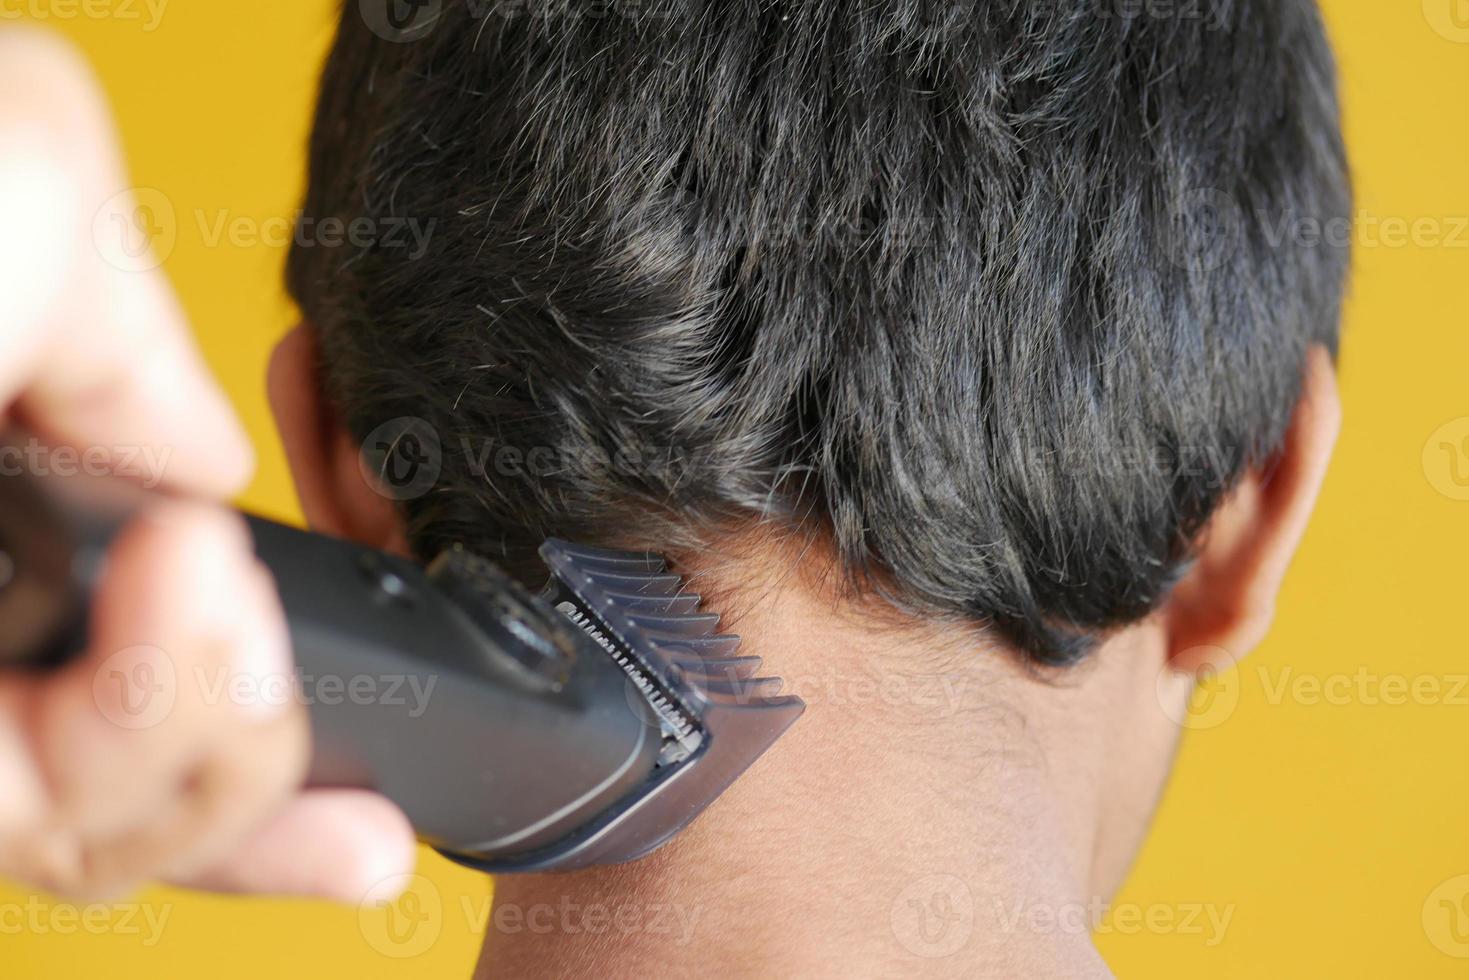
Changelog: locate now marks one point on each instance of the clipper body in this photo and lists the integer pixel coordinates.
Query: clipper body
(584, 726)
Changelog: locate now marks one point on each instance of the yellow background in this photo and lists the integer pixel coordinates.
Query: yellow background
(1324, 817)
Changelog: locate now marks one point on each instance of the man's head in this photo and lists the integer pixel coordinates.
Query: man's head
(995, 314)
(1000, 300)
(998, 317)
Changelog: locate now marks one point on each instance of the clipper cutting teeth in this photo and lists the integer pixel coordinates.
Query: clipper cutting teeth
(637, 610)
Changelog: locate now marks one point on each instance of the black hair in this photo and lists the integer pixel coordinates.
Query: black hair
(1003, 297)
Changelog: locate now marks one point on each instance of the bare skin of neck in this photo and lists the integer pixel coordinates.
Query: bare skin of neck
(939, 810)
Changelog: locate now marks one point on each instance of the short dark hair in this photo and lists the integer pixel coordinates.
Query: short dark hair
(1003, 298)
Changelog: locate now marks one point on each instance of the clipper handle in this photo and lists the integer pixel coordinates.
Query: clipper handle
(450, 690)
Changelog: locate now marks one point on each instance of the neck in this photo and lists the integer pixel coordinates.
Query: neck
(938, 808)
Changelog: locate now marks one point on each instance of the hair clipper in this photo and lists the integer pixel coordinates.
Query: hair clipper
(585, 725)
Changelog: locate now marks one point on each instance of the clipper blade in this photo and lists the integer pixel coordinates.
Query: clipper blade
(716, 714)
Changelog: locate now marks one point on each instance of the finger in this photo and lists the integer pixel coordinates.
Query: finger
(93, 353)
(49, 105)
(248, 778)
(331, 844)
(123, 375)
(218, 805)
(24, 802)
(184, 641)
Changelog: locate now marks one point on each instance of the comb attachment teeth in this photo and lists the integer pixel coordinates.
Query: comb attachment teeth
(637, 610)
(717, 716)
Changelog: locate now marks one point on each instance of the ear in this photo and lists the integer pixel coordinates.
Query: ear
(336, 496)
(1224, 607)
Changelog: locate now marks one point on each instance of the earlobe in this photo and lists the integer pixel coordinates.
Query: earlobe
(1224, 607)
(335, 497)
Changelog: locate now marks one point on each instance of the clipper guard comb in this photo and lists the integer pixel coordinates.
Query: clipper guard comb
(716, 715)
